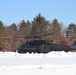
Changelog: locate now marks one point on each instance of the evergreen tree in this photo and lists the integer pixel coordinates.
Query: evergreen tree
(39, 26)
(2, 31)
(56, 29)
(71, 31)
(24, 28)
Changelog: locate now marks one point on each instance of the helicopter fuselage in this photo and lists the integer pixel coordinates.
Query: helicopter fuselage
(42, 46)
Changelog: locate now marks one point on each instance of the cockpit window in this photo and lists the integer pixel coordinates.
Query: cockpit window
(22, 46)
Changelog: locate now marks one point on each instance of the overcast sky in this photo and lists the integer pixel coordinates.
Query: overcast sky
(13, 11)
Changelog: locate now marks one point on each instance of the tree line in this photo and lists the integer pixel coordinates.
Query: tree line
(11, 36)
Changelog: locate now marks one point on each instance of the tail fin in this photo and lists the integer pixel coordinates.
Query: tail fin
(74, 43)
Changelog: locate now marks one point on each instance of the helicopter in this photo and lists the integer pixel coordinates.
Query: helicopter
(42, 46)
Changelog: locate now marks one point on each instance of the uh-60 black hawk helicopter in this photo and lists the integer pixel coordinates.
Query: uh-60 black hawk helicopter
(42, 46)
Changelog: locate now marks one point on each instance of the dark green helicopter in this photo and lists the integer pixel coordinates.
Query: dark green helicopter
(42, 46)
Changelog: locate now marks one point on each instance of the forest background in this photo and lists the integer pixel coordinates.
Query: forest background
(14, 35)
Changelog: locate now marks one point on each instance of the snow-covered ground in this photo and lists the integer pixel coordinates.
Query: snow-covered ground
(53, 63)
